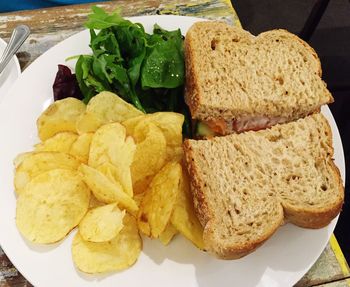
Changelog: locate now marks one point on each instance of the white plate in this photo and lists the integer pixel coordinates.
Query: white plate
(10, 73)
(281, 261)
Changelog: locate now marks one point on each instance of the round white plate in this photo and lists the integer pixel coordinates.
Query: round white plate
(9, 74)
(281, 261)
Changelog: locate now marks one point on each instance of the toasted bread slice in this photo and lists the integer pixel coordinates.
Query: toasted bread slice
(245, 184)
(242, 82)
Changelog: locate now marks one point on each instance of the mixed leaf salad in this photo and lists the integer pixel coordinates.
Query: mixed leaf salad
(146, 70)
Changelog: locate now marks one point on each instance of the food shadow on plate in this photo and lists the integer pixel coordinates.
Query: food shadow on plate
(286, 251)
(179, 250)
(94, 277)
(208, 269)
(43, 248)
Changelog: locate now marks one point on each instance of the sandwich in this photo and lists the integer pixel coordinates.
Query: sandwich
(237, 82)
(246, 185)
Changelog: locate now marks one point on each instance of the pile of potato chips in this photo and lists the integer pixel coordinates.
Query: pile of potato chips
(110, 170)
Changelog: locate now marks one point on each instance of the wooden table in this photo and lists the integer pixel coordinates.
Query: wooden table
(50, 26)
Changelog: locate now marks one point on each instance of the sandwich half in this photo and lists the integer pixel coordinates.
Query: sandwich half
(237, 82)
(246, 185)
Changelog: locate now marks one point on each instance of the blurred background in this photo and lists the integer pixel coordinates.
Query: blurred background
(331, 40)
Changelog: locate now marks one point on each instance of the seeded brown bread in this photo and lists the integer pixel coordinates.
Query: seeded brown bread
(231, 74)
(242, 184)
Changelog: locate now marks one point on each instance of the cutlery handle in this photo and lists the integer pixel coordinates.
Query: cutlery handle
(19, 35)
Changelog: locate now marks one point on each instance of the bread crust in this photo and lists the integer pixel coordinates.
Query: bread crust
(196, 95)
(303, 215)
(202, 210)
(207, 219)
(191, 87)
(306, 218)
(239, 250)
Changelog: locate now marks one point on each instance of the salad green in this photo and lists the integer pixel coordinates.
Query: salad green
(146, 70)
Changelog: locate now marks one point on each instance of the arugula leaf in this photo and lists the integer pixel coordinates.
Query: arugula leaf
(146, 70)
(164, 67)
(99, 19)
(81, 68)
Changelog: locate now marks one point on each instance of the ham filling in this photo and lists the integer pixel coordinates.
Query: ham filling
(247, 123)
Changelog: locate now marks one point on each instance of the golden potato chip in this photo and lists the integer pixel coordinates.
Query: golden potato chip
(109, 144)
(20, 158)
(150, 151)
(159, 200)
(110, 107)
(142, 215)
(52, 204)
(88, 123)
(138, 198)
(39, 162)
(142, 185)
(60, 116)
(106, 190)
(60, 142)
(102, 223)
(131, 124)
(117, 254)
(121, 175)
(174, 154)
(184, 218)
(168, 234)
(169, 123)
(94, 202)
(81, 147)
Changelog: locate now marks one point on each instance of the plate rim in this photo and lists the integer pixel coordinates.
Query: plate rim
(334, 132)
(18, 66)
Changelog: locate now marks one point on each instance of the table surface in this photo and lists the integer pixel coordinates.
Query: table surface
(50, 26)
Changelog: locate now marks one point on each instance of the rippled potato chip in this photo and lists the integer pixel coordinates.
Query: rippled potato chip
(150, 152)
(158, 202)
(143, 216)
(106, 190)
(102, 223)
(117, 254)
(118, 174)
(94, 202)
(174, 154)
(21, 157)
(60, 116)
(169, 123)
(110, 146)
(81, 147)
(104, 108)
(110, 107)
(33, 164)
(138, 198)
(60, 142)
(169, 232)
(106, 143)
(88, 123)
(184, 218)
(142, 185)
(52, 204)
